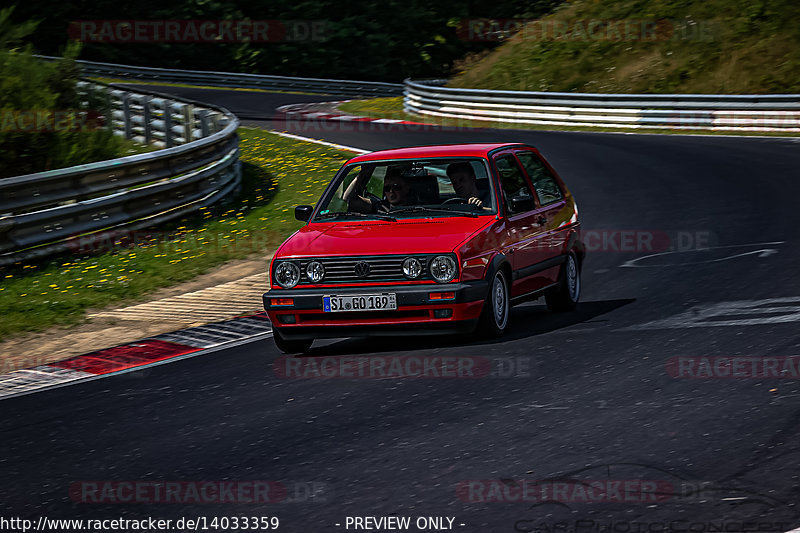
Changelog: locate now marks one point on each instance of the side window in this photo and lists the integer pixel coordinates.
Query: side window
(543, 181)
(375, 183)
(518, 195)
(337, 202)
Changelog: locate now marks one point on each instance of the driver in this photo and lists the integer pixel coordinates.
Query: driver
(465, 183)
(395, 189)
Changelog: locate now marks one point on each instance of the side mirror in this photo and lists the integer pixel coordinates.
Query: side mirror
(520, 204)
(303, 212)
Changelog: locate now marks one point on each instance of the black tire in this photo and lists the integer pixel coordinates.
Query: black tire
(566, 295)
(291, 346)
(496, 308)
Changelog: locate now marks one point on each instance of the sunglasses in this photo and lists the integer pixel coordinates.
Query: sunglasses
(392, 187)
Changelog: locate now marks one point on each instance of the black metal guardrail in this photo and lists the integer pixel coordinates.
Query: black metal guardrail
(48, 212)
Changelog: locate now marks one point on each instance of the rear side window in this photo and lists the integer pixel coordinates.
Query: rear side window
(543, 181)
(512, 182)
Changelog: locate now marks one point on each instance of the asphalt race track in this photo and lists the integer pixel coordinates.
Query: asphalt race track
(582, 396)
(244, 104)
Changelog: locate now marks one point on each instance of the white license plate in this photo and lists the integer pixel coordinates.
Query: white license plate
(360, 302)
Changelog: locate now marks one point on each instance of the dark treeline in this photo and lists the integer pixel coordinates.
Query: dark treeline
(363, 39)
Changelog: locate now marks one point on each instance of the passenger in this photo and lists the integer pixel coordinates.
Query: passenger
(465, 184)
(395, 190)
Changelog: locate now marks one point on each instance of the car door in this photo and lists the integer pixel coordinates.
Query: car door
(526, 226)
(553, 202)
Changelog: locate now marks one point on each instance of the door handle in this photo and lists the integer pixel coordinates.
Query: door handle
(541, 220)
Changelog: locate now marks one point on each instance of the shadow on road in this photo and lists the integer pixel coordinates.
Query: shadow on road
(526, 321)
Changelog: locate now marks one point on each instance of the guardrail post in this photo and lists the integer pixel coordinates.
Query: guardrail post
(168, 123)
(126, 115)
(202, 116)
(108, 108)
(147, 114)
(188, 123)
(215, 127)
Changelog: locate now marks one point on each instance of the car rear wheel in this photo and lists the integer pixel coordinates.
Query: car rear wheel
(291, 346)
(566, 295)
(496, 308)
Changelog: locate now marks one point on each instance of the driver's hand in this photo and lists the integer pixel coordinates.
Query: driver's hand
(475, 201)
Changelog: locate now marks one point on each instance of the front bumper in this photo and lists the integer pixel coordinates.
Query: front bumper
(415, 313)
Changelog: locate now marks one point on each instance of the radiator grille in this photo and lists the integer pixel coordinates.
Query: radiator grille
(381, 268)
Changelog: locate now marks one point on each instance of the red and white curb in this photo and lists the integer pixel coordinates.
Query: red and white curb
(136, 355)
(330, 111)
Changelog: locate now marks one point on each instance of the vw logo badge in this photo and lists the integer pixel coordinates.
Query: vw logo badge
(362, 269)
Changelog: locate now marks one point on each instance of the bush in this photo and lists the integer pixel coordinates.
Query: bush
(41, 124)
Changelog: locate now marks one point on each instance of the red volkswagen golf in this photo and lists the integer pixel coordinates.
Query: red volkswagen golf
(431, 239)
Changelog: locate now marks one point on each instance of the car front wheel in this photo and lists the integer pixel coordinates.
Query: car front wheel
(496, 308)
(291, 346)
(566, 295)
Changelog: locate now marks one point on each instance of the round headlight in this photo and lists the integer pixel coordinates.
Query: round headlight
(443, 268)
(287, 274)
(412, 268)
(315, 271)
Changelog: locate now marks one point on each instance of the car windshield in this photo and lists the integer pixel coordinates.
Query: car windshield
(390, 190)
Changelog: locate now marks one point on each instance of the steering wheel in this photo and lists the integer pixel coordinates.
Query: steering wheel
(456, 200)
(373, 197)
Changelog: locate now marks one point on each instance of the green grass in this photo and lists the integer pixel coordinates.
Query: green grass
(278, 173)
(393, 108)
(378, 107)
(703, 46)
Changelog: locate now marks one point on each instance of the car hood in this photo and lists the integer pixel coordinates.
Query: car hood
(378, 237)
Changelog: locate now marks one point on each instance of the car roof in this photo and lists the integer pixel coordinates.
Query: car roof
(439, 150)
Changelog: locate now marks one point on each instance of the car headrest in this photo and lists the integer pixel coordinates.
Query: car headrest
(426, 189)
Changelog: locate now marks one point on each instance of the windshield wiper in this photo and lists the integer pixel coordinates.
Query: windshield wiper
(355, 214)
(422, 209)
